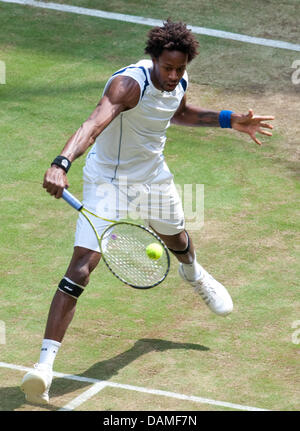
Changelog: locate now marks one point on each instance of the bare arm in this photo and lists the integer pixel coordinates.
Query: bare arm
(188, 115)
(122, 94)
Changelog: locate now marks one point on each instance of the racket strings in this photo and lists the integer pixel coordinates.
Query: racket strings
(124, 251)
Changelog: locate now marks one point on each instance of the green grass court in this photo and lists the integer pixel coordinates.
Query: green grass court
(165, 338)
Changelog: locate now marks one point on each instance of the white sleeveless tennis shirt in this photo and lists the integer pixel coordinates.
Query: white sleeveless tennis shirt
(132, 145)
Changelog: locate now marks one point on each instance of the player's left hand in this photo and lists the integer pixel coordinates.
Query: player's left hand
(252, 124)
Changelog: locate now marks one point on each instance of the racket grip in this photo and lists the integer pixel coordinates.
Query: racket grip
(74, 202)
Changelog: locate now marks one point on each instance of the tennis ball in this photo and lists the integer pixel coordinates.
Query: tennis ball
(154, 251)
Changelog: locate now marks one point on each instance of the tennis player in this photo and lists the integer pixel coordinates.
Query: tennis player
(127, 135)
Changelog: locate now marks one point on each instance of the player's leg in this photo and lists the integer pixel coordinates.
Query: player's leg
(212, 292)
(36, 383)
(63, 305)
(85, 258)
(181, 245)
(171, 229)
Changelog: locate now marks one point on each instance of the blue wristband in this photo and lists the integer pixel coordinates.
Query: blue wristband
(225, 119)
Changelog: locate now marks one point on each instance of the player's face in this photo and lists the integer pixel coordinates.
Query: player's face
(168, 69)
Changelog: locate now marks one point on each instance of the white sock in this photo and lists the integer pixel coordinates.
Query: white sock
(192, 270)
(48, 352)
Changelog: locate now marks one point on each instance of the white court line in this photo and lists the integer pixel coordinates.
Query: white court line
(185, 397)
(82, 398)
(100, 384)
(155, 22)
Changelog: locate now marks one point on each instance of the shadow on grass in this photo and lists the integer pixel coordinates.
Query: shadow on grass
(12, 398)
(104, 370)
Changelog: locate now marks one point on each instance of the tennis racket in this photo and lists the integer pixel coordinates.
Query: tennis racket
(123, 247)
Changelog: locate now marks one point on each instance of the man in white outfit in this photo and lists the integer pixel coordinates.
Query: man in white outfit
(127, 133)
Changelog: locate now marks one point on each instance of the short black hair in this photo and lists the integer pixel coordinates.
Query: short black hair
(174, 36)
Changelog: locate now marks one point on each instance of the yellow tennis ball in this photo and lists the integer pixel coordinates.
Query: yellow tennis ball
(154, 251)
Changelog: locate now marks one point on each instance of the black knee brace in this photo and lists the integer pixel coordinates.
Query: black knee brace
(186, 249)
(70, 288)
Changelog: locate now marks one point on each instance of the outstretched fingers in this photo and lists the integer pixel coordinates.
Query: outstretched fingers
(265, 118)
(266, 125)
(255, 139)
(264, 132)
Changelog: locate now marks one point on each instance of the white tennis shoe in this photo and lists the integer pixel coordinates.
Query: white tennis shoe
(36, 384)
(213, 293)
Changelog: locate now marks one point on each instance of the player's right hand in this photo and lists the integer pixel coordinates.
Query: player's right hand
(55, 180)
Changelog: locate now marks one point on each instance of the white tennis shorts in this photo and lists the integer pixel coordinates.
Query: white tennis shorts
(155, 205)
